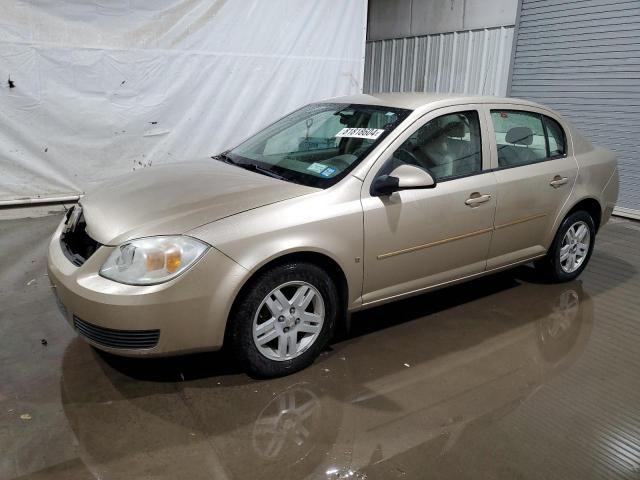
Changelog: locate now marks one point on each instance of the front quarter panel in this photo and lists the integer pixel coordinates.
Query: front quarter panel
(328, 222)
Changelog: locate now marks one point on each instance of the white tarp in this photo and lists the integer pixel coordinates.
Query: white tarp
(102, 87)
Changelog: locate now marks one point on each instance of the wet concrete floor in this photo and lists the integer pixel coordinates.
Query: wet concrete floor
(503, 377)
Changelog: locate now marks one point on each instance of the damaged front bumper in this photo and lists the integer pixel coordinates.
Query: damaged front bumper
(186, 314)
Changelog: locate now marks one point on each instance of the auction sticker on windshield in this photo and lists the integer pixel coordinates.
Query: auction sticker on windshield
(369, 133)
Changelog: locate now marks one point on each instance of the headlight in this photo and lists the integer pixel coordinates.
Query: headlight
(147, 261)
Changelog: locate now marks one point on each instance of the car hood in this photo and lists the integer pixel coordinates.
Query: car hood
(173, 199)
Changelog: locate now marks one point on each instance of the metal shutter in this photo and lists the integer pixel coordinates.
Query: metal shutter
(471, 61)
(582, 57)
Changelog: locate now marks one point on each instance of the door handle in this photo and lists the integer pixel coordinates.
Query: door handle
(558, 181)
(476, 199)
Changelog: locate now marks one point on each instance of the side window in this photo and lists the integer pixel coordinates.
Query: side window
(448, 146)
(526, 137)
(519, 136)
(556, 136)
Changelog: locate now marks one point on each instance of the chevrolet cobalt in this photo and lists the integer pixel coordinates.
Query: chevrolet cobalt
(341, 205)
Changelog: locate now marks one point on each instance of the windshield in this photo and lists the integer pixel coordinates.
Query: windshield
(318, 144)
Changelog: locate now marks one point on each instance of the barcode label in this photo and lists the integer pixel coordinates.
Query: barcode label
(368, 133)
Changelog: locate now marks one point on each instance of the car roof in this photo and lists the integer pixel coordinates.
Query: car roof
(415, 101)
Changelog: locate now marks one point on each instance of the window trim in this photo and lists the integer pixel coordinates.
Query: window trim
(564, 137)
(542, 116)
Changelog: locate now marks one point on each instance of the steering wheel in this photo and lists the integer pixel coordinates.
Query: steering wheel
(409, 157)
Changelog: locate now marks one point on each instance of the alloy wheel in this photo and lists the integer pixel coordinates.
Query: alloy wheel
(575, 247)
(288, 320)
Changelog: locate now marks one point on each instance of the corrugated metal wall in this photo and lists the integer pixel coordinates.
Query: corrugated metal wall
(473, 61)
(583, 58)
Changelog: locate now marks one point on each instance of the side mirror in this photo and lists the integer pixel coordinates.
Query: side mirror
(404, 177)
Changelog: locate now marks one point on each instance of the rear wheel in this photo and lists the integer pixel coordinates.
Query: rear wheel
(571, 248)
(283, 319)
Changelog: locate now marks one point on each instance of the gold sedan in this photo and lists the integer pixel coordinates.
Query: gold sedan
(341, 205)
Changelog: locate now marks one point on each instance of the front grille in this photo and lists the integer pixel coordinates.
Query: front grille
(76, 243)
(130, 339)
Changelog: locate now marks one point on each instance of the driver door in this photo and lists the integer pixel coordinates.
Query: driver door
(416, 239)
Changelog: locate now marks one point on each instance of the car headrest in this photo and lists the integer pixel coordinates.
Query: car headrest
(455, 129)
(432, 131)
(427, 133)
(519, 136)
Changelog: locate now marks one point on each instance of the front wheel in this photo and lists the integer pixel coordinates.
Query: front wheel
(283, 319)
(571, 248)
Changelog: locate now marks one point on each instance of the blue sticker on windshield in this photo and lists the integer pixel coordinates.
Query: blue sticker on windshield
(327, 172)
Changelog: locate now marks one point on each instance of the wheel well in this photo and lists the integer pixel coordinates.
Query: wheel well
(325, 262)
(592, 207)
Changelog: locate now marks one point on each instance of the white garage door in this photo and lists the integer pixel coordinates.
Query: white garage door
(583, 58)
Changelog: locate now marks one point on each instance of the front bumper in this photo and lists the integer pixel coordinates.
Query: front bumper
(190, 312)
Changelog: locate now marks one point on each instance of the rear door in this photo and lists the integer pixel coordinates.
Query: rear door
(535, 171)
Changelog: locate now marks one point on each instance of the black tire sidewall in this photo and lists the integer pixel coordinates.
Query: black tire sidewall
(556, 268)
(241, 320)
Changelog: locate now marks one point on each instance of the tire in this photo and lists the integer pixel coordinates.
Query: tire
(262, 332)
(557, 269)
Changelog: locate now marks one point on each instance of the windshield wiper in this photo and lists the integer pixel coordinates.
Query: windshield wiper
(257, 169)
(223, 157)
(247, 166)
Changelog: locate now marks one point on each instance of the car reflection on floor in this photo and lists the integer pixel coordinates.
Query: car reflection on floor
(418, 374)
